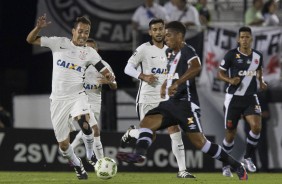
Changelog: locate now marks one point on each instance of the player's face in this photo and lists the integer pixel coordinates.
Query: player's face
(245, 40)
(157, 32)
(172, 38)
(80, 34)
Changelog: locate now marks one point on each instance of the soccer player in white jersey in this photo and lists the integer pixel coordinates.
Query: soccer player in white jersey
(68, 97)
(93, 88)
(151, 57)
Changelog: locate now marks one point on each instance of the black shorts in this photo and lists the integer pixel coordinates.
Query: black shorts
(177, 112)
(237, 106)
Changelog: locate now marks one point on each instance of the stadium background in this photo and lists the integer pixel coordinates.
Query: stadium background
(25, 75)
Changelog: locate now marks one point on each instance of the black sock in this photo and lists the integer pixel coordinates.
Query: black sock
(215, 151)
(252, 141)
(144, 141)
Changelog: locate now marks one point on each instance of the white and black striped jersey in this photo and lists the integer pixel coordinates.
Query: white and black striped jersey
(240, 65)
(151, 60)
(178, 65)
(69, 64)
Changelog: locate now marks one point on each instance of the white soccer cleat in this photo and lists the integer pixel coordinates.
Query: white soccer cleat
(226, 171)
(248, 163)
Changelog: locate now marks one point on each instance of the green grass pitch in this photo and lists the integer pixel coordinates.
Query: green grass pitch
(133, 178)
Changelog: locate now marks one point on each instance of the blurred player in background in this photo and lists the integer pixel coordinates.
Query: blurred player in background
(93, 87)
(240, 68)
(68, 97)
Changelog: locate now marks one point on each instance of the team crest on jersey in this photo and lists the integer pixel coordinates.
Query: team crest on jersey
(222, 62)
(229, 123)
(82, 55)
(249, 62)
(238, 56)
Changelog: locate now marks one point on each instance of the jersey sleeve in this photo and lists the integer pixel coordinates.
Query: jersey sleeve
(137, 56)
(95, 57)
(50, 42)
(260, 61)
(192, 54)
(226, 61)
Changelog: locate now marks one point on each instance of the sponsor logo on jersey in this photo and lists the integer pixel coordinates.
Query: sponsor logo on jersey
(159, 70)
(68, 65)
(240, 60)
(91, 86)
(247, 73)
(249, 61)
(256, 61)
(238, 56)
(174, 76)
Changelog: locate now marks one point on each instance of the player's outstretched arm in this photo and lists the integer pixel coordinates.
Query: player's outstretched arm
(32, 37)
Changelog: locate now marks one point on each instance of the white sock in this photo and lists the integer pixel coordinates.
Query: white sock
(178, 150)
(69, 154)
(98, 148)
(77, 140)
(88, 142)
(134, 133)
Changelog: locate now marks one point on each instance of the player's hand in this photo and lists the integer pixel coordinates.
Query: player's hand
(234, 80)
(42, 22)
(110, 77)
(103, 80)
(263, 85)
(150, 79)
(172, 89)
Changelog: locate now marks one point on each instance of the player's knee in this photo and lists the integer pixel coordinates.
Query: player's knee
(84, 125)
(63, 145)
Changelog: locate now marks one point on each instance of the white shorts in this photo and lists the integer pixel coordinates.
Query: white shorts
(96, 109)
(63, 110)
(143, 108)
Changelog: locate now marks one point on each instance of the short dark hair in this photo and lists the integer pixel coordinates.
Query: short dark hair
(155, 21)
(176, 26)
(91, 40)
(83, 19)
(245, 29)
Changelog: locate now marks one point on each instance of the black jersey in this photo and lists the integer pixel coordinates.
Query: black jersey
(240, 65)
(177, 65)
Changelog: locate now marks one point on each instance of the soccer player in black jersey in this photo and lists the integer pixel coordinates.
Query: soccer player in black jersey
(182, 106)
(240, 68)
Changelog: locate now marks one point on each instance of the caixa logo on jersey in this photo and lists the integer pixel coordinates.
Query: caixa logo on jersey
(247, 73)
(111, 19)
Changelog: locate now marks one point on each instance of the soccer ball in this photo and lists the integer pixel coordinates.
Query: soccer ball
(106, 168)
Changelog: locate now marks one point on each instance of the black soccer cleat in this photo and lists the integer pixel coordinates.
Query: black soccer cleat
(184, 174)
(80, 171)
